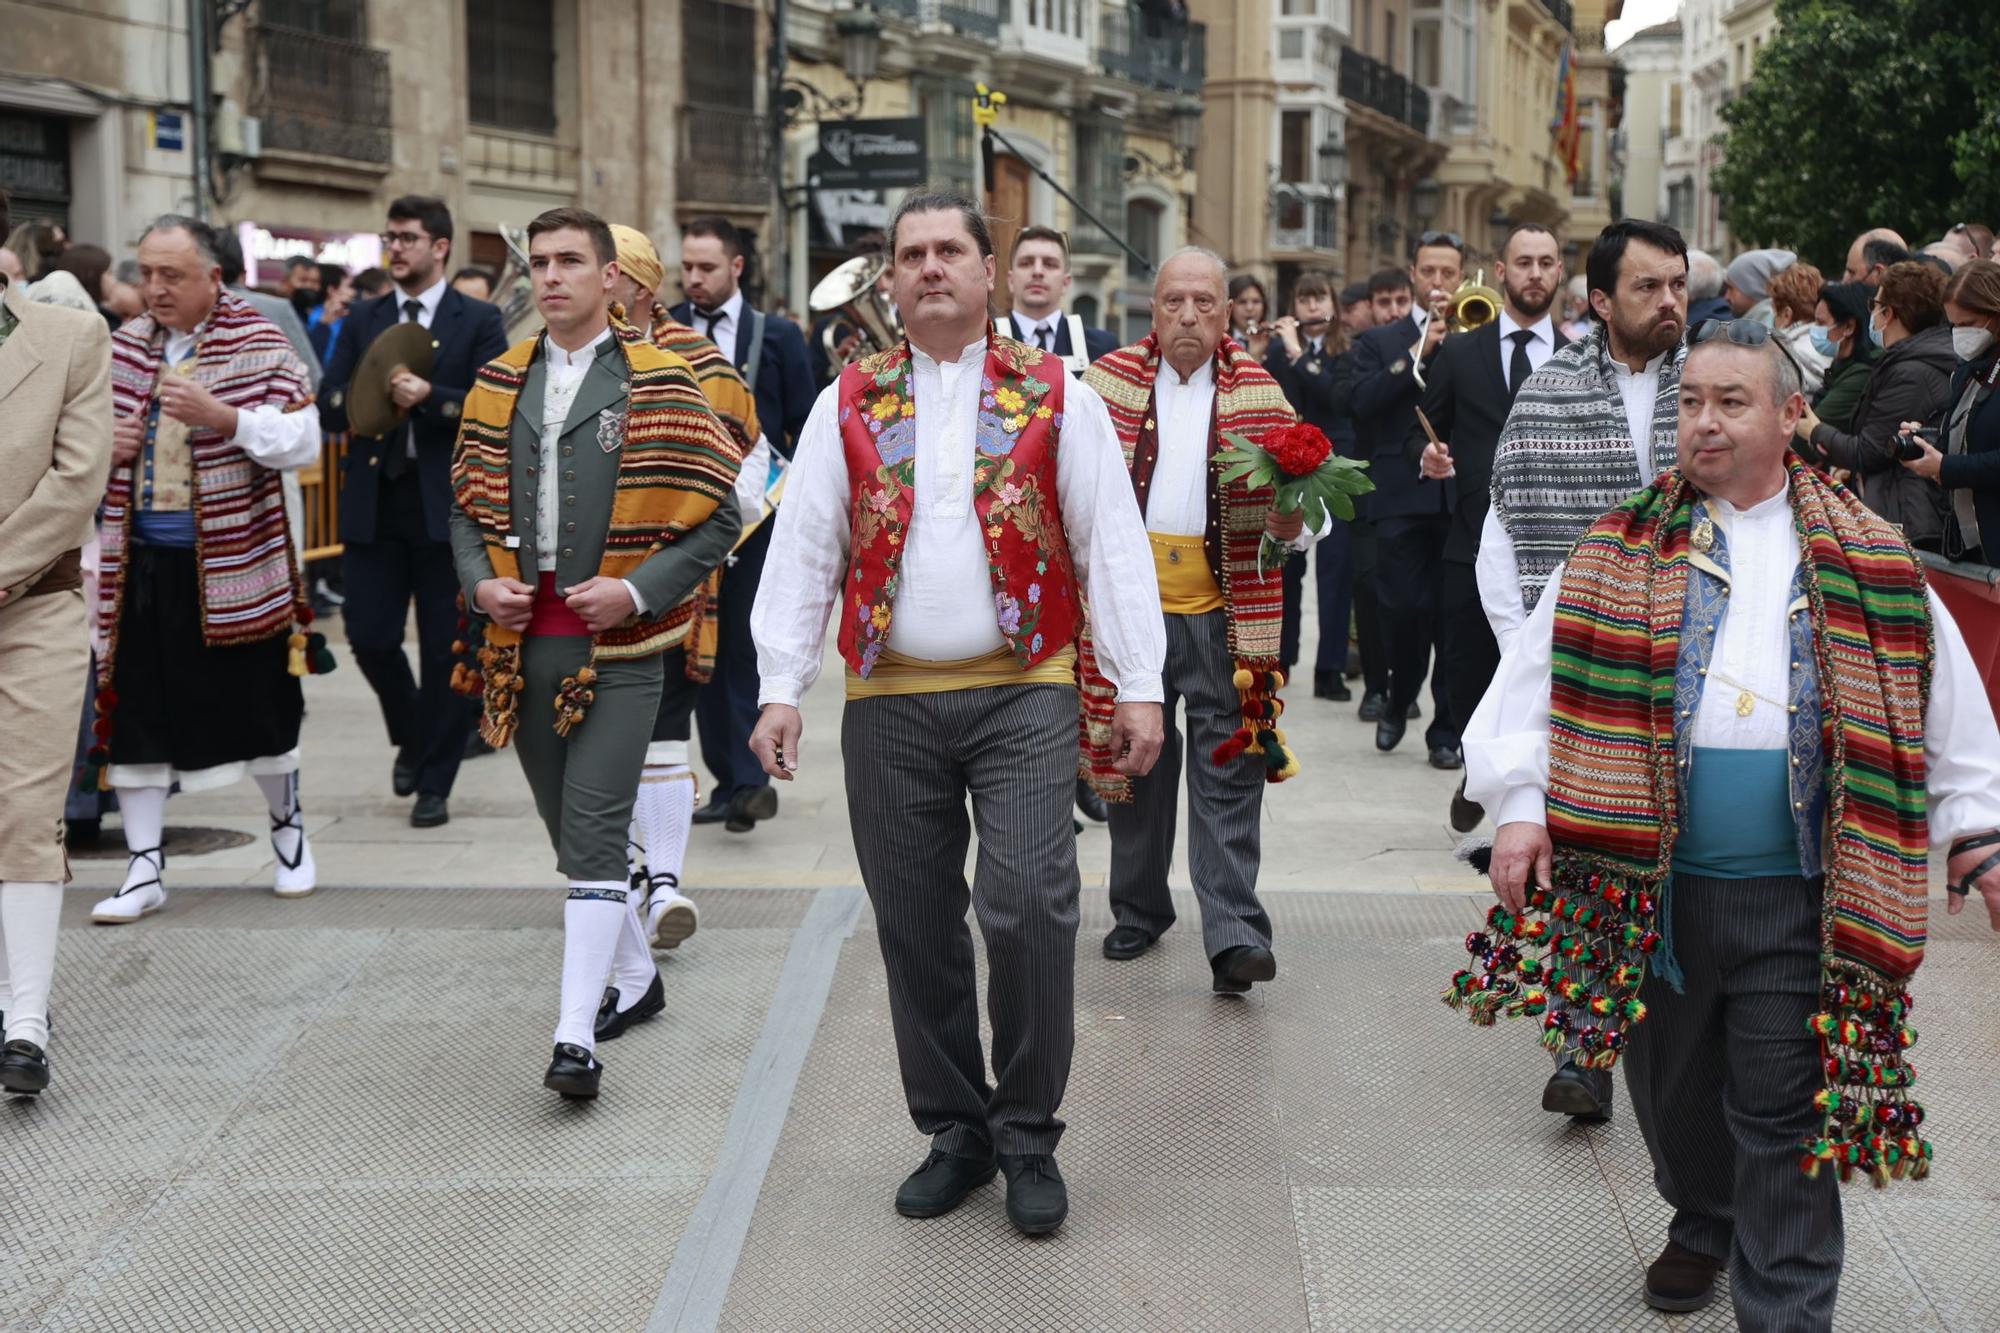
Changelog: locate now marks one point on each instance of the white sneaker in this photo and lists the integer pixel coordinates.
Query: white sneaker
(670, 918)
(138, 898)
(298, 876)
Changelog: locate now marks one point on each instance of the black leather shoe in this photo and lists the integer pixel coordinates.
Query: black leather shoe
(1037, 1199)
(1127, 942)
(611, 1023)
(403, 774)
(1092, 805)
(1465, 812)
(24, 1068)
(1681, 1279)
(430, 811)
(1416, 711)
(1582, 1093)
(1237, 967)
(574, 1073)
(1447, 758)
(716, 811)
(1371, 708)
(941, 1183)
(750, 805)
(1389, 733)
(1329, 685)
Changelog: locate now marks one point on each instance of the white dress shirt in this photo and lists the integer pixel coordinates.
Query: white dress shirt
(1493, 568)
(1177, 498)
(1507, 742)
(566, 371)
(1540, 347)
(724, 333)
(1029, 324)
(944, 608)
(269, 435)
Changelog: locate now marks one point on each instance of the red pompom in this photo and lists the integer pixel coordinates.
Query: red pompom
(1297, 450)
(107, 700)
(1238, 742)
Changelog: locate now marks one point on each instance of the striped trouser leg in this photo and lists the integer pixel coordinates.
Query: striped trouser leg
(910, 762)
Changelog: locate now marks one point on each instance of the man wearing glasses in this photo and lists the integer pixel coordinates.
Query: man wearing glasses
(395, 502)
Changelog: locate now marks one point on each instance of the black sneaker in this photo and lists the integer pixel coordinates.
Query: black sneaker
(941, 1183)
(24, 1068)
(611, 1023)
(1037, 1199)
(574, 1073)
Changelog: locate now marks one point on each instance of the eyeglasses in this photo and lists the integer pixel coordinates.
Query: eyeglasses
(1742, 332)
(392, 240)
(1450, 238)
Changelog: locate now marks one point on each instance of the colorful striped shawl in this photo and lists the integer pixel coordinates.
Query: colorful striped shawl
(1612, 804)
(676, 464)
(1247, 401)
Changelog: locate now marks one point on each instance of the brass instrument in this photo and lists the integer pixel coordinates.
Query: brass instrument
(513, 290)
(851, 292)
(1474, 305)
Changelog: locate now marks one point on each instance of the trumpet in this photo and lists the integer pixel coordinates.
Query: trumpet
(1474, 305)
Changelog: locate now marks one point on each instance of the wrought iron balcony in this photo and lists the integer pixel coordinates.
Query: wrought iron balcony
(725, 156)
(1158, 52)
(1370, 83)
(900, 8)
(321, 95)
(1563, 12)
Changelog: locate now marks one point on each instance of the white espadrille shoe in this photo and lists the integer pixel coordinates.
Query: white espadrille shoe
(144, 892)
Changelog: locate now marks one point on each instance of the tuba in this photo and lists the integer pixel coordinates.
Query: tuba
(1473, 305)
(850, 292)
(514, 290)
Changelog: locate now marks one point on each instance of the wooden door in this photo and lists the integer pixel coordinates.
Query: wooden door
(1007, 210)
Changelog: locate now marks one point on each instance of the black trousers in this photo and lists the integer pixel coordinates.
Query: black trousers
(1409, 582)
(1369, 635)
(425, 717)
(1332, 560)
(1468, 654)
(726, 712)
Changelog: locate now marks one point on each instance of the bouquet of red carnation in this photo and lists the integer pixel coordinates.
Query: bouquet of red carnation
(1299, 463)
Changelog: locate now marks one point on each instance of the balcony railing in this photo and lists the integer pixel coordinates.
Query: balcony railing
(901, 8)
(971, 18)
(724, 156)
(1060, 30)
(1563, 12)
(1158, 52)
(321, 95)
(1370, 83)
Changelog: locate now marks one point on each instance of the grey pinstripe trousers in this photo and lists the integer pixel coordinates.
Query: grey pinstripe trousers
(911, 761)
(1723, 1077)
(1224, 804)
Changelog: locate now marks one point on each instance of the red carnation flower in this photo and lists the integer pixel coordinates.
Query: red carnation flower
(1297, 450)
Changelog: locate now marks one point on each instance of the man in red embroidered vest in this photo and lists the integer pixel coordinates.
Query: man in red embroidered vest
(199, 595)
(952, 501)
(1172, 397)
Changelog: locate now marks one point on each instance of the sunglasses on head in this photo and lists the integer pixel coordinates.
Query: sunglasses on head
(1450, 238)
(1742, 332)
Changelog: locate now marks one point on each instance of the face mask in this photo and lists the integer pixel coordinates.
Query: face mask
(1824, 342)
(1971, 343)
(1874, 334)
(303, 301)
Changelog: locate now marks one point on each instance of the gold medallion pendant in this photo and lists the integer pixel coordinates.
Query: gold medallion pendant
(1703, 539)
(1745, 703)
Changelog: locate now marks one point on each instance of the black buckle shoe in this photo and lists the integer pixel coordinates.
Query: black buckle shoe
(1037, 1199)
(1236, 968)
(24, 1068)
(941, 1183)
(574, 1072)
(1582, 1093)
(612, 1023)
(1127, 942)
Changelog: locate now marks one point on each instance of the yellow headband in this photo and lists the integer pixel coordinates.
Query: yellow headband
(637, 257)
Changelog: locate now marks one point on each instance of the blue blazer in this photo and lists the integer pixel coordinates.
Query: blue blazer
(468, 334)
(784, 386)
(1385, 399)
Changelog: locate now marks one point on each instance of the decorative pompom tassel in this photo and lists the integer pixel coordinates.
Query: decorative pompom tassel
(1233, 748)
(319, 657)
(574, 698)
(295, 659)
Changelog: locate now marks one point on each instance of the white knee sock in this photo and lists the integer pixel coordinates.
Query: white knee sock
(591, 927)
(144, 813)
(632, 966)
(664, 812)
(281, 793)
(28, 915)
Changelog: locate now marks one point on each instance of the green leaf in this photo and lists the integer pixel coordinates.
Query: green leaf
(1238, 472)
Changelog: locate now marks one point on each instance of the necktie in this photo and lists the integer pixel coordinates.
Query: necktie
(413, 309)
(396, 460)
(713, 317)
(1518, 368)
(1042, 337)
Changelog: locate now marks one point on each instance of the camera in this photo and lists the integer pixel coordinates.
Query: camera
(1907, 446)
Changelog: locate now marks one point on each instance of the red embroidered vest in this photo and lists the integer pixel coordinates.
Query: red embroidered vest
(1035, 597)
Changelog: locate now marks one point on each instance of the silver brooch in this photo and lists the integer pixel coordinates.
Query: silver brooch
(1703, 538)
(610, 430)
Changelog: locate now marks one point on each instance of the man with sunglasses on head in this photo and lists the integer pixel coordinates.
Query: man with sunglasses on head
(1594, 424)
(1389, 370)
(395, 502)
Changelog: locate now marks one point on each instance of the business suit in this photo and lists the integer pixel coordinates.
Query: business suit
(55, 394)
(1410, 519)
(1467, 398)
(394, 522)
(1096, 342)
(727, 710)
(1320, 389)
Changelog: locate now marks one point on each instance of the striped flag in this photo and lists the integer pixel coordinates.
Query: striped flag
(1567, 127)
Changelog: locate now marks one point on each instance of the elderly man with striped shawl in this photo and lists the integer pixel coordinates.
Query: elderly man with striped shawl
(1172, 397)
(1718, 755)
(953, 499)
(198, 593)
(594, 498)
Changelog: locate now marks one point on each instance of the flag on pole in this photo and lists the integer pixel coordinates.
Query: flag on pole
(1567, 127)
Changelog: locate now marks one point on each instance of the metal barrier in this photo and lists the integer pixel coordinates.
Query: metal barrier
(319, 489)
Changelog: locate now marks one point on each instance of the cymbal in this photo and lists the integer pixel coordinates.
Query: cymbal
(370, 409)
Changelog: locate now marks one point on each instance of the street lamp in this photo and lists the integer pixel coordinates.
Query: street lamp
(1186, 119)
(860, 44)
(1332, 159)
(1424, 201)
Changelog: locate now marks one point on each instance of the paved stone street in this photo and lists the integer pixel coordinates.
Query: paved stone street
(327, 1114)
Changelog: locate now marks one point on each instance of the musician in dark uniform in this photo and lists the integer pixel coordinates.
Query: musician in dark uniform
(395, 502)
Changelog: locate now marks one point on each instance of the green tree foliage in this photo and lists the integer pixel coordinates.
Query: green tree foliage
(1865, 113)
